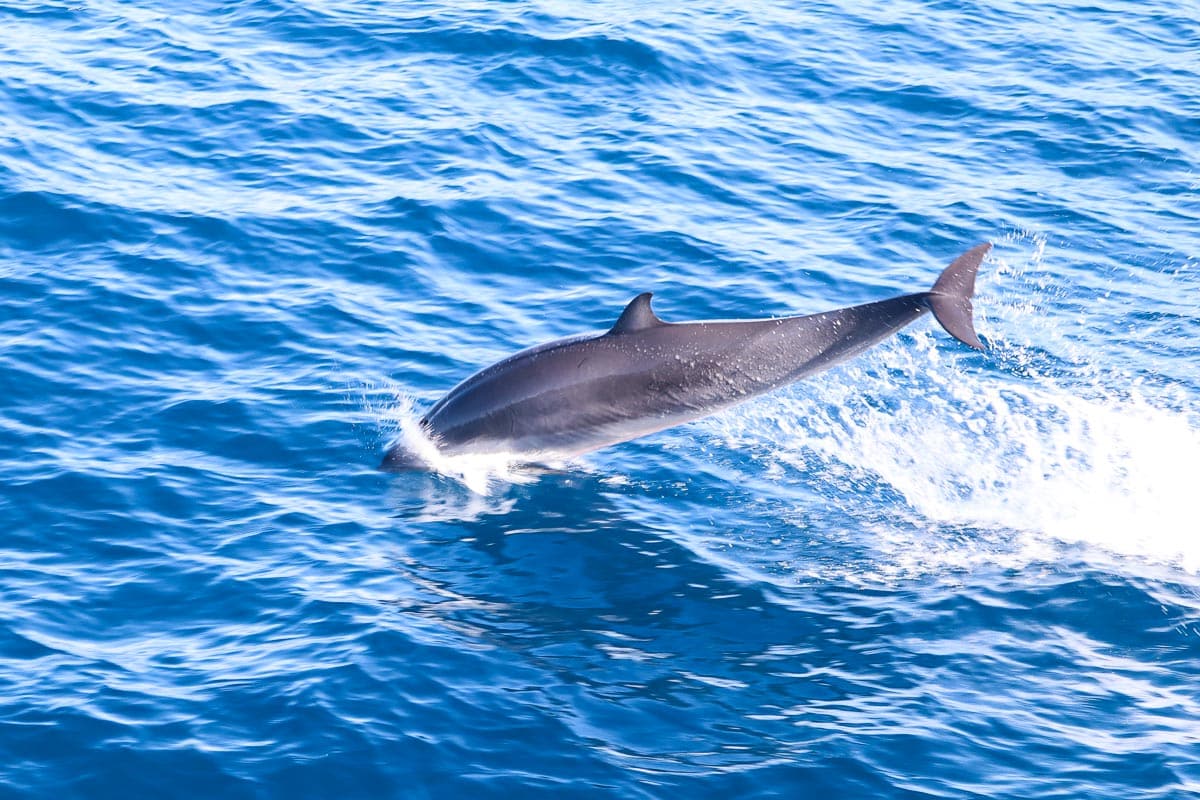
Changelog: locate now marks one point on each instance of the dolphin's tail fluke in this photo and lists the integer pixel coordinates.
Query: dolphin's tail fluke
(950, 297)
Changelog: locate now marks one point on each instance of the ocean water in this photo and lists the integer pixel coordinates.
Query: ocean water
(244, 245)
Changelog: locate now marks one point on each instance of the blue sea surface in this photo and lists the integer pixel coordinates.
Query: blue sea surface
(244, 246)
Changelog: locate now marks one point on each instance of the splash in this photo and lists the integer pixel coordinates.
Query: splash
(1111, 472)
(481, 473)
(1033, 454)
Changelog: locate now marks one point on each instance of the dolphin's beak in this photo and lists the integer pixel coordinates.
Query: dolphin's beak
(399, 458)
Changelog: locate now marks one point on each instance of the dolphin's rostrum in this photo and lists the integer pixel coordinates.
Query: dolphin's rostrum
(578, 394)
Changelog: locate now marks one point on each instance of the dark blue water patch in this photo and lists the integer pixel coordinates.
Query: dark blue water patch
(40, 13)
(599, 56)
(48, 222)
(407, 212)
(920, 101)
(189, 424)
(19, 648)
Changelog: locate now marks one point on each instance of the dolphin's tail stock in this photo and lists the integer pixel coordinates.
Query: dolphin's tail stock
(950, 297)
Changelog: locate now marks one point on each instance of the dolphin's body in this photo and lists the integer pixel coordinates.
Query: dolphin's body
(578, 394)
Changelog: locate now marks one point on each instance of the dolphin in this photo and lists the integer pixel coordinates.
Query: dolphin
(578, 394)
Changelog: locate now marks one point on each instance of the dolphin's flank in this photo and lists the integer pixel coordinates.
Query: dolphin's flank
(578, 394)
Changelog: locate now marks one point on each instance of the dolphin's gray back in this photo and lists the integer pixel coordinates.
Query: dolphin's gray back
(582, 393)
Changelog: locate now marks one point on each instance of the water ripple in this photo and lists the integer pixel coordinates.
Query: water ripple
(244, 245)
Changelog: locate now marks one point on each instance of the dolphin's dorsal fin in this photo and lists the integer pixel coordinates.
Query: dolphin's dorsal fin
(637, 316)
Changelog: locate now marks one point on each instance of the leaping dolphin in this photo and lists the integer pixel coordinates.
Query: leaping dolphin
(581, 393)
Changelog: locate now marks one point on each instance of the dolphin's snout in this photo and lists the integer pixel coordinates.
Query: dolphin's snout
(399, 458)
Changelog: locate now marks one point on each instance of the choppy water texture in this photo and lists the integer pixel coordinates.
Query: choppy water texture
(243, 245)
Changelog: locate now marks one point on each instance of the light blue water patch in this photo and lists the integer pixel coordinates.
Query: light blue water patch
(242, 246)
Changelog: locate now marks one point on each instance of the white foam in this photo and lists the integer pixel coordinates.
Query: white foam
(1108, 472)
(481, 473)
(1032, 462)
